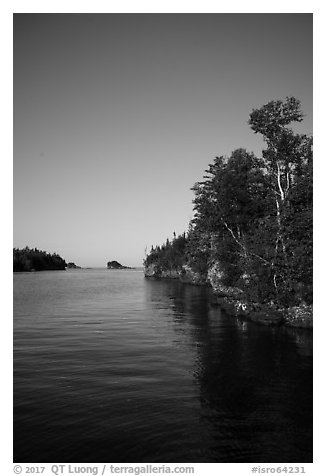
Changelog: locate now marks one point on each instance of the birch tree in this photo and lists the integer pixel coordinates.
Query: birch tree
(284, 158)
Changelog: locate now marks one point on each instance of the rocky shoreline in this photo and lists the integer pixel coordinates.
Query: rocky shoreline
(233, 300)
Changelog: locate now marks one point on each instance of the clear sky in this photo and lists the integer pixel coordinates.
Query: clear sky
(117, 115)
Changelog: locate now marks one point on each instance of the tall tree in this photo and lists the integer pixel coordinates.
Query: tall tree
(226, 204)
(285, 159)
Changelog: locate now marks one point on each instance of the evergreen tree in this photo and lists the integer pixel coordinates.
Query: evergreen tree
(253, 216)
(27, 259)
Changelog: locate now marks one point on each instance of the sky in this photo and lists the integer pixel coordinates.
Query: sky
(116, 116)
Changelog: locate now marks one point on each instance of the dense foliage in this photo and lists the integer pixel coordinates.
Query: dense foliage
(169, 256)
(253, 216)
(27, 259)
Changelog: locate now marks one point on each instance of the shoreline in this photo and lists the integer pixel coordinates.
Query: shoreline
(234, 302)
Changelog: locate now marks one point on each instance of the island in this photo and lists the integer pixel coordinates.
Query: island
(33, 259)
(73, 266)
(116, 265)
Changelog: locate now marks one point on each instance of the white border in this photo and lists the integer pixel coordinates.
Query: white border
(7, 9)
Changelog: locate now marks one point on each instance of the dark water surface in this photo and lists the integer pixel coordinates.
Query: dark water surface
(111, 367)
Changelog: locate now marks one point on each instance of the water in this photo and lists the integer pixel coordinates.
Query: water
(111, 367)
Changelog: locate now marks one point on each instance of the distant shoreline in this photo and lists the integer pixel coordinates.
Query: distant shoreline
(82, 268)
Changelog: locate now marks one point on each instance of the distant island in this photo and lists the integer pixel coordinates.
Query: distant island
(32, 259)
(116, 265)
(73, 266)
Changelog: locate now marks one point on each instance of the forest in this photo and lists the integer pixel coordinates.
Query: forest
(32, 259)
(253, 222)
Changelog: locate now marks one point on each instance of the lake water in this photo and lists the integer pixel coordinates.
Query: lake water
(112, 367)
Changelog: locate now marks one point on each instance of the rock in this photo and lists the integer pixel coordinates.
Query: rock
(215, 276)
(73, 266)
(170, 274)
(152, 271)
(189, 276)
(233, 300)
(300, 316)
(155, 271)
(116, 265)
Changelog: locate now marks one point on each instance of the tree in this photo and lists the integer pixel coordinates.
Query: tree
(227, 203)
(169, 256)
(286, 159)
(253, 216)
(33, 259)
